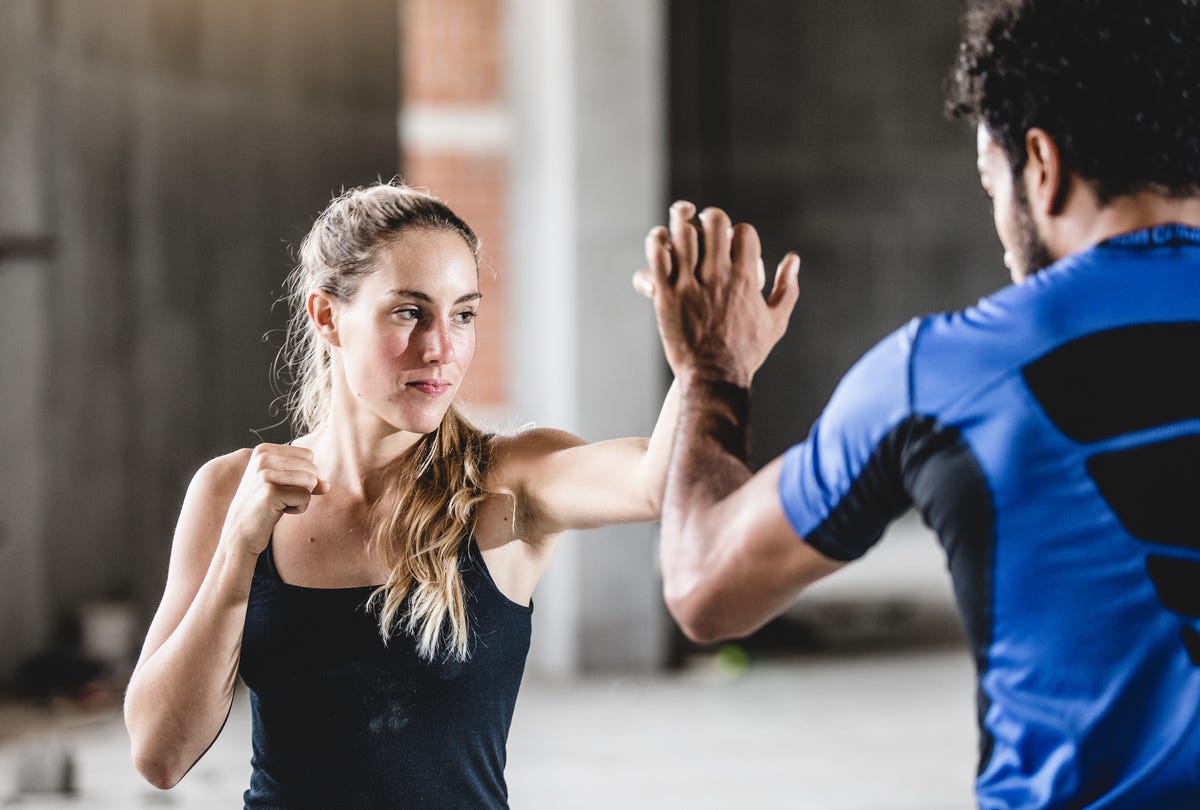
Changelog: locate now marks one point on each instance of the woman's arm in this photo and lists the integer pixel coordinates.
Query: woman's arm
(182, 688)
(560, 482)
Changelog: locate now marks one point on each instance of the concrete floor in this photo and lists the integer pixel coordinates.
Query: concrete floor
(847, 731)
(877, 715)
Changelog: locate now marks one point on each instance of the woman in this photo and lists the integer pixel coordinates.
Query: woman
(371, 581)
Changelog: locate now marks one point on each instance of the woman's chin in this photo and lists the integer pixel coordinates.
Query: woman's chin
(425, 422)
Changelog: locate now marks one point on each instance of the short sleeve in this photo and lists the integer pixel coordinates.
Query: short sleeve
(842, 485)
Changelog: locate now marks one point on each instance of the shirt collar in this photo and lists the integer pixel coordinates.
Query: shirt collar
(1170, 235)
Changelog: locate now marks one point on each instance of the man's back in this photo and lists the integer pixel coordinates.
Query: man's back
(1050, 435)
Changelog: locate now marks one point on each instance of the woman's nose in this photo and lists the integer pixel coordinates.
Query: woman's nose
(438, 349)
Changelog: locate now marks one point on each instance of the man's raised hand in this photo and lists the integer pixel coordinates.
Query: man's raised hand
(712, 317)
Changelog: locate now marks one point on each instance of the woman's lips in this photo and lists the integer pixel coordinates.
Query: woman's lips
(433, 388)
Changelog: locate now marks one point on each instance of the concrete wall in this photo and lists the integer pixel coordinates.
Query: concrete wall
(183, 146)
(173, 148)
(821, 123)
(23, 215)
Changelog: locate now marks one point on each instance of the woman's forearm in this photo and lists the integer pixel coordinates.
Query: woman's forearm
(179, 697)
(653, 471)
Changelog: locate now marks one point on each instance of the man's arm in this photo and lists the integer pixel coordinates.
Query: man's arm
(730, 558)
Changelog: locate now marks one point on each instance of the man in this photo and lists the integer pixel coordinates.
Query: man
(1050, 435)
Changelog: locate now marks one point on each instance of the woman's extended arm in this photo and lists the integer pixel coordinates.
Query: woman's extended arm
(181, 690)
(561, 482)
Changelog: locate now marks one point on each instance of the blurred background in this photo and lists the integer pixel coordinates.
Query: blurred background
(160, 161)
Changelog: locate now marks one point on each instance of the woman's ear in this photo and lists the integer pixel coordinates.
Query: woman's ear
(1044, 176)
(322, 311)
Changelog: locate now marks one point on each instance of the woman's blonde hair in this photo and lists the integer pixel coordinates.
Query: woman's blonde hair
(421, 523)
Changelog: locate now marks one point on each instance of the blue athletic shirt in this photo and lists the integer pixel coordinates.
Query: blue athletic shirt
(1050, 436)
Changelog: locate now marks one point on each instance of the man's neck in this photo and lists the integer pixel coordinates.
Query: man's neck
(1085, 223)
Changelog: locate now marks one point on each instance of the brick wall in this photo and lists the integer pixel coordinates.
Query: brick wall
(454, 142)
(452, 51)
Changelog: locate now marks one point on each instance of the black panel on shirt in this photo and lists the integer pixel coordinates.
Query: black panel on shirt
(923, 464)
(875, 499)
(1153, 489)
(1177, 582)
(1191, 640)
(1119, 380)
(948, 488)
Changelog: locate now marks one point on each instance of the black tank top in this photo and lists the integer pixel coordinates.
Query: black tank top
(341, 721)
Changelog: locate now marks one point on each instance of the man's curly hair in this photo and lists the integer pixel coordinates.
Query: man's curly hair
(1116, 84)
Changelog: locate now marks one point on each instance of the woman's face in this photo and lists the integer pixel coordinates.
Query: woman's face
(407, 337)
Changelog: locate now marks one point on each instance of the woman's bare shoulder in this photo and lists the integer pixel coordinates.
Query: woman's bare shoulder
(220, 475)
(532, 441)
(204, 507)
(516, 454)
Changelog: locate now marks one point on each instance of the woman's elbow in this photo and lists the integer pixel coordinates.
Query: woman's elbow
(155, 769)
(151, 757)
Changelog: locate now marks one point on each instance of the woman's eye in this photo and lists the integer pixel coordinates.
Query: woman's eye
(407, 313)
(465, 317)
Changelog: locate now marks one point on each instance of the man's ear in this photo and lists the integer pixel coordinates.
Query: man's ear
(1045, 178)
(322, 312)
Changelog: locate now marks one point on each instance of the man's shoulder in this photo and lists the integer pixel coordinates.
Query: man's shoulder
(969, 350)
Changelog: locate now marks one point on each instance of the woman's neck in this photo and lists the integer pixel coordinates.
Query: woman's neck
(349, 451)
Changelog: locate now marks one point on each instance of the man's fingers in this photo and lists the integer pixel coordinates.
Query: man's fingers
(787, 285)
(746, 252)
(685, 242)
(717, 234)
(658, 256)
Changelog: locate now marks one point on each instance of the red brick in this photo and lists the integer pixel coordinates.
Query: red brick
(476, 188)
(452, 51)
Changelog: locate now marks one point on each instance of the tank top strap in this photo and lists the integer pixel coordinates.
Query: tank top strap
(266, 564)
(478, 577)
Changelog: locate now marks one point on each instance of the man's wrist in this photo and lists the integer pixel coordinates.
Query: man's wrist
(719, 408)
(714, 374)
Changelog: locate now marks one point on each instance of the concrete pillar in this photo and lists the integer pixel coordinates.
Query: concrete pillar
(23, 288)
(586, 85)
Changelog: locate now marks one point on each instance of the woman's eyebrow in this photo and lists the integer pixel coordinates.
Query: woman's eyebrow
(420, 296)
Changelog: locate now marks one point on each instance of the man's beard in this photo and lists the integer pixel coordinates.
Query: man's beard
(1031, 252)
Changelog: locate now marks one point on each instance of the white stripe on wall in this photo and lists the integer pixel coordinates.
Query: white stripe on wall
(472, 128)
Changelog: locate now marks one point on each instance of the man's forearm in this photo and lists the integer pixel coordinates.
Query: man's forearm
(711, 448)
(709, 461)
